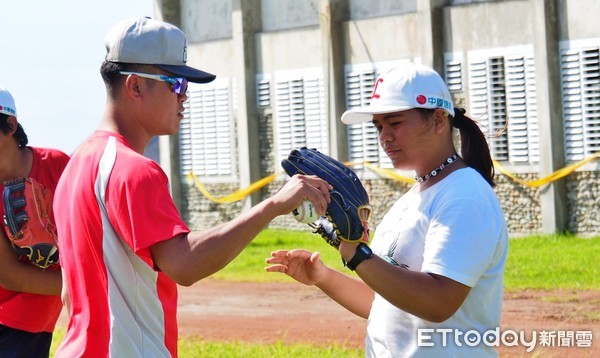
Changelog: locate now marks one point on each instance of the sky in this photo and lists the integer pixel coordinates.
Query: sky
(51, 52)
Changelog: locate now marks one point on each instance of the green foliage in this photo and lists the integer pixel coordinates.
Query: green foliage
(553, 261)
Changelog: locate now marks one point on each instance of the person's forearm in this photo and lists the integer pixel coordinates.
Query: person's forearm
(350, 292)
(194, 256)
(219, 245)
(430, 297)
(30, 279)
(189, 259)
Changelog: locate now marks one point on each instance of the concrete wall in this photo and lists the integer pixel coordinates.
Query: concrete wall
(206, 20)
(578, 19)
(274, 53)
(381, 39)
(280, 15)
(361, 9)
(488, 25)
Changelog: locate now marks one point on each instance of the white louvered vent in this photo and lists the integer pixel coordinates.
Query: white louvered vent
(533, 129)
(486, 90)
(263, 93)
(591, 100)
(315, 114)
(363, 141)
(580, 78)
(497, 109)
(501, 90)
(300, 113)
(453, 72)
(206, 132)
(521, 104)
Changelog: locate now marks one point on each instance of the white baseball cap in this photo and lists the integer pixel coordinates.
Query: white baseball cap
(150, 42)
(402, 88)
(7, 103)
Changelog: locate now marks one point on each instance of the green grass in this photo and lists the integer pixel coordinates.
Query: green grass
(249, 265)
(553, 261)
(191, 347)
(536, 262)
(195, 347)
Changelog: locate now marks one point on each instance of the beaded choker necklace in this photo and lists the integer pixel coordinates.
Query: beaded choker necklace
(436, 170)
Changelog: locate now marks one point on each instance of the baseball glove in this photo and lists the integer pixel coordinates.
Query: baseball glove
(28, 221)
(347, 216)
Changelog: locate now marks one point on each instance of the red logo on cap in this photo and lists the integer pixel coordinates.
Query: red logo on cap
(375, 94)
(421, 99)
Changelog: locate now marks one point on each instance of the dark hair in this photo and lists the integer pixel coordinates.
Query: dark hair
(474, 148)
(111, 76)
(19, 134)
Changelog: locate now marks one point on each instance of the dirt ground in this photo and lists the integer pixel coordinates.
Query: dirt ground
(293, 313)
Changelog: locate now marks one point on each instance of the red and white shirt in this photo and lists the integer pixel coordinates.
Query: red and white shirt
(27, 311)
(111, 205)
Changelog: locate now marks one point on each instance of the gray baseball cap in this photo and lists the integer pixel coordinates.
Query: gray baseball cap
(150, 42)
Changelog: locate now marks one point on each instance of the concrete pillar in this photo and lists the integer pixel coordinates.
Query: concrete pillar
(553, 198)
(170, 11)
(331, 15)
(245, 22)
(432, 28)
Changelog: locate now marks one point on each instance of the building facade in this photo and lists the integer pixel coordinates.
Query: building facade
(528, 71)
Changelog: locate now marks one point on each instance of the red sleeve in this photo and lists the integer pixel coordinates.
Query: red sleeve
(48, 165)
(140, 205)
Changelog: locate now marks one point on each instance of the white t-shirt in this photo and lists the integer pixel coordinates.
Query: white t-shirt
(456, 229)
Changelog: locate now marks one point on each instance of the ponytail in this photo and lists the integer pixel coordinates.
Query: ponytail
(474, 148)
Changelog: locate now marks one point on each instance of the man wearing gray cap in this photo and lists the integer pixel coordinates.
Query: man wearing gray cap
(123, 243)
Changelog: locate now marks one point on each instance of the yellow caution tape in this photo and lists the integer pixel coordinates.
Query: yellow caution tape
(561, 173)
(236, 196)
(390, 174)
(386, 173)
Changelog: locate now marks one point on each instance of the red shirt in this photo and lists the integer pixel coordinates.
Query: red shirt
(27, 311)
(111, 205)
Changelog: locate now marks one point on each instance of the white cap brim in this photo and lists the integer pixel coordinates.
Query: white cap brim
(365, 114)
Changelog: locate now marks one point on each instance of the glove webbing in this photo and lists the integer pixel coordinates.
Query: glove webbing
(14, 221)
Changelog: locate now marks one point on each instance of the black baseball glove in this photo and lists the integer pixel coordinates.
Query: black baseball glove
(347, 216)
